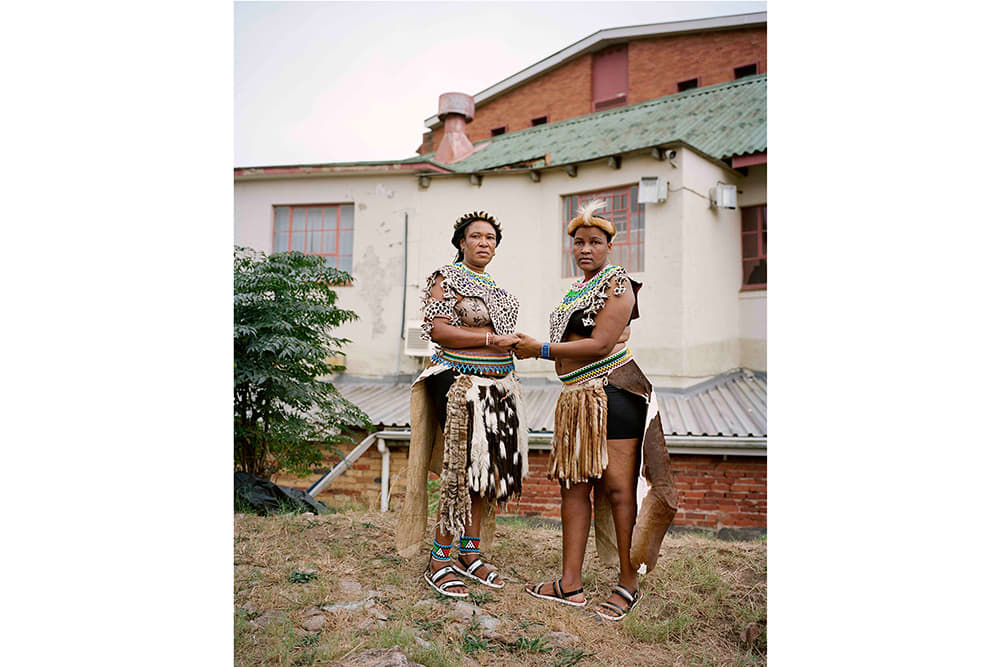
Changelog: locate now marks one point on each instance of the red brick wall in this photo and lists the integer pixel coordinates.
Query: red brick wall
(655, 66)
(717, 494)
(713, 493)
(360, 484)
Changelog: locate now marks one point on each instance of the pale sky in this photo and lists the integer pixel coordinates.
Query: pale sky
(352, 81)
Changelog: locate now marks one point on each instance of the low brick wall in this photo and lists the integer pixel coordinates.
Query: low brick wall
(361, 484)
(714, 494)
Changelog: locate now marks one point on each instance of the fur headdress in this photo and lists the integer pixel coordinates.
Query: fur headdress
(586, 218)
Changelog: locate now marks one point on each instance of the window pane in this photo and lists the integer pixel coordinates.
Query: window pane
(331, 261)
(347, 216)
(315, 245)
(750, 219)
(281, 242)
(330, 217)
(750, 245)
(764, 243)
(281, 219)
(330, 240)
(344, 263)
(298, 219)
(634, 196)
(755, 272)
(346, 241)
(298, 241)
(315, 218)
(763, 216)
(640, 259)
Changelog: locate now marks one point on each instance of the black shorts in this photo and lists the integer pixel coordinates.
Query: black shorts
(626, 414)
(438, 386)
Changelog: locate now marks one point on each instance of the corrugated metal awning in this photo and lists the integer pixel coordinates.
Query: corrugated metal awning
(733, 404)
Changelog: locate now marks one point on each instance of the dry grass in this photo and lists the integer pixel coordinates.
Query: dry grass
(702, 595)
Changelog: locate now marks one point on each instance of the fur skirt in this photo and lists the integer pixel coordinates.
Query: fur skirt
(485, 446)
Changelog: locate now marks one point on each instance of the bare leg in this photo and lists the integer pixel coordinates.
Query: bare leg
(474, 529)
(619, 482)
(575, 511)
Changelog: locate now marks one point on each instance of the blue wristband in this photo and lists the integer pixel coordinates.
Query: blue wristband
(545, 351)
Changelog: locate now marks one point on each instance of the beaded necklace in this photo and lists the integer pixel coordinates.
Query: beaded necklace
(484, 277)
(581, 289)
(587, 296)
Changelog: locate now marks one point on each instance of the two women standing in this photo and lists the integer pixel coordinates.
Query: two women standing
(607, 430)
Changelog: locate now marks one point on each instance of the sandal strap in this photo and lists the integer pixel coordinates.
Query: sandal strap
(612, 605)
(564, 594)
(473, 567)
(490, 577)
(435, 576)
(449, 584)
(626, 594)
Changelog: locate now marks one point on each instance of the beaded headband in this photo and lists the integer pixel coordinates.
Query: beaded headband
(586, 218)
(478, 215)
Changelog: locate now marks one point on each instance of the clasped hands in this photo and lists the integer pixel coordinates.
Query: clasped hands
(523, 345)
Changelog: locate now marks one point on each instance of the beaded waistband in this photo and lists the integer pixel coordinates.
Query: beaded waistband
(598, 368)
(475, 364)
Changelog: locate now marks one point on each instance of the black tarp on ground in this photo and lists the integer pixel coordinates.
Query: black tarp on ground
(264, 497)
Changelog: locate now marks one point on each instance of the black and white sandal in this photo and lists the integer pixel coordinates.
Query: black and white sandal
(432, 579)
(474, 567)
(560, 594)
(617, 613)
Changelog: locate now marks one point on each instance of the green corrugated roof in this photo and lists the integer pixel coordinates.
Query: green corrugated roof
(721, 121)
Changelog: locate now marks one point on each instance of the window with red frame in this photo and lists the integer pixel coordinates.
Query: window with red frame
(754, 247)
(629, 218)
(326, 230)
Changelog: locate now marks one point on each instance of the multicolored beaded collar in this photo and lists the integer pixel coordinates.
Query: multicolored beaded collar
(581, 289)
(587, 296)
(484, 278)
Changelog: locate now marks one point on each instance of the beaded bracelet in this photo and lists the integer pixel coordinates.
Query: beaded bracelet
(487, 339)
(545, 351)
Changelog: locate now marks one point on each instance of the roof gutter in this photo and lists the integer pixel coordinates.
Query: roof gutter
(312, 171)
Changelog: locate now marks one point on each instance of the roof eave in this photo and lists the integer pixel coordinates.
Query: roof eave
(314, 171)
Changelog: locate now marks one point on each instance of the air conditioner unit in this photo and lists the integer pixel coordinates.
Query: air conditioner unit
(413, 344)
(722, 196)
(652, 190)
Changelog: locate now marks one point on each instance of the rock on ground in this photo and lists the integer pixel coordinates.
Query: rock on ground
(382, 657)
(563, 639)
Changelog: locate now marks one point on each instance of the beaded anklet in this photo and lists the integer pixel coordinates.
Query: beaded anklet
(441, 552)
(468, 545)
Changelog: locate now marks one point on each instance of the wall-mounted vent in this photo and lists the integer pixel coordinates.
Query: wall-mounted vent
(652, 190)
(413, 344)
(722, 195)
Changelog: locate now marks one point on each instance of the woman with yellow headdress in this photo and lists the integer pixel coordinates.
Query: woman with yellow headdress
(607, 439)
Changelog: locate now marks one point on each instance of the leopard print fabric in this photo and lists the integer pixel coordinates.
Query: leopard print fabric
(501, 306)
(590, 304)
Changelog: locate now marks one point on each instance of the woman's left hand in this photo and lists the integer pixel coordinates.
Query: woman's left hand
(527, 347)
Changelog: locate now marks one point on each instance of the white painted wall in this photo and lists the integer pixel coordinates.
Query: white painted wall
(691, 317)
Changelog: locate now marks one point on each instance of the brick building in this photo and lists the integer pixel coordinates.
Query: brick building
(616, 67)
